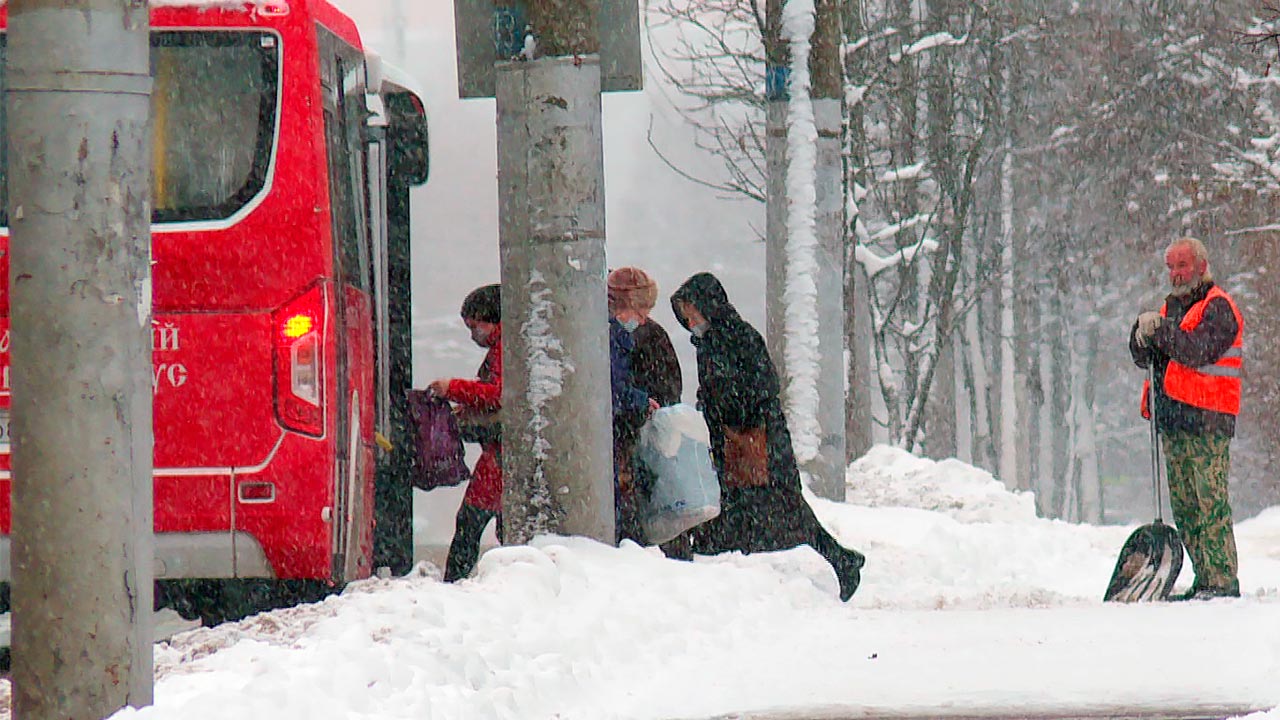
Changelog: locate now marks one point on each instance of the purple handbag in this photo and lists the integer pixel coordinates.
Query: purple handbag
(438, 460)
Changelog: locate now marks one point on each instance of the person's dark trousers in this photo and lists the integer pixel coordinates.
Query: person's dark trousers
(464, 551)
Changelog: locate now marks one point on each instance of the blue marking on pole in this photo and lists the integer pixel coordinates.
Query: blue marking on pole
(777, 79)
(508, 31)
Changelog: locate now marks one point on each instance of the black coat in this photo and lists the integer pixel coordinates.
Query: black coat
(654, 365)
(738, 388)
(1204, 346)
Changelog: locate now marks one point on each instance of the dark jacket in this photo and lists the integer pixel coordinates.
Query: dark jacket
(654, 365)
(738, 388)
(737, 384)
(1203, 346)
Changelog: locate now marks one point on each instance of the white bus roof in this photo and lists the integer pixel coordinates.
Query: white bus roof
(387, 77)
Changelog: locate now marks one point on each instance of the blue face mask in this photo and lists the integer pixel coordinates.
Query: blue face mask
(629, 325)
(700, 329)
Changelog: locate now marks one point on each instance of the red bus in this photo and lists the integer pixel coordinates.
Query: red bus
(283, 158)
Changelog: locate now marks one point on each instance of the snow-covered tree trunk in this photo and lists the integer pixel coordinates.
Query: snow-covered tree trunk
(1092, 501)
(1060, 399)
(977, 381)
(800, 357)
(857, 319)
(1009, 416)
(1044, 472)
(1027, 294)
(941, 422)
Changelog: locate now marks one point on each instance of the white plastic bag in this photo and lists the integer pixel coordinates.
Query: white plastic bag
(675, 448)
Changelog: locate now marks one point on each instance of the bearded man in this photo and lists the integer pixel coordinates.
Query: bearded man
(1195, 343)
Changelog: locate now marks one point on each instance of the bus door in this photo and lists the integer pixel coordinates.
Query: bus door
(344, 114)
(376, 201)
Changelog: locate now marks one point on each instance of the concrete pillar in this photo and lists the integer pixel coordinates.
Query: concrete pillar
(557, 421)
(80, 310)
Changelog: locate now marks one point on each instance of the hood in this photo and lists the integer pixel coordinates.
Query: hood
(704, 292)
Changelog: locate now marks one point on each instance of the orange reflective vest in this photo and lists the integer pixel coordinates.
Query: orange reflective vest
(1214, 387)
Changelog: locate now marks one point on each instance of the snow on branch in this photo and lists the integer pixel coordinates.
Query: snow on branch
(889, 231)
(909, 172)
(874, 263)
(926, 43)
(1256, 229)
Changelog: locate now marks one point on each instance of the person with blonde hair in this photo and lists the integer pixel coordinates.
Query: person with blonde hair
(646, 361)
(1195, 344)
(654, 366)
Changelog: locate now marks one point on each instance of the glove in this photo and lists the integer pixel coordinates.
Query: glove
(1148, 323)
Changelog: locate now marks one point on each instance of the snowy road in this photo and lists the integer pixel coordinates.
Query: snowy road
(1113, 713)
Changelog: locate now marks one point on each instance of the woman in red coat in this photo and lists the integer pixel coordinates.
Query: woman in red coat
(478, 398)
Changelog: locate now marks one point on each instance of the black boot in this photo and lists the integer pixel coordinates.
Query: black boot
(848, 569)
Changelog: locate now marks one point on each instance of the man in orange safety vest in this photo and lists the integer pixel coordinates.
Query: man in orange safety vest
(1196, 344)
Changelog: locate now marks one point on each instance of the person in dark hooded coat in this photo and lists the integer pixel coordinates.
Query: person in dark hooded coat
(738, 390)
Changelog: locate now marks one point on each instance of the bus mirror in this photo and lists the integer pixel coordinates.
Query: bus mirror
(409, 155)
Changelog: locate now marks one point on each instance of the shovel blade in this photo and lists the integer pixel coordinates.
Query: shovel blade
(1148, 565)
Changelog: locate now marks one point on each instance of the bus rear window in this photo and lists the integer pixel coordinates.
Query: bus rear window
(213, 107)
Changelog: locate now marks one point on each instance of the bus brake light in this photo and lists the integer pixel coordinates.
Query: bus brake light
(297, 326)
(299, 363)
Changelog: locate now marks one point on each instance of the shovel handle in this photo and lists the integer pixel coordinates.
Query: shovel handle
(1155, 438)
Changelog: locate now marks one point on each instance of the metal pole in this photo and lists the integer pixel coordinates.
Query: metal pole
(78, 145)
(557, 429)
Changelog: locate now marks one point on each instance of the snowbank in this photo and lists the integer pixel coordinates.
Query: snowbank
(891, 477)
(956, 613)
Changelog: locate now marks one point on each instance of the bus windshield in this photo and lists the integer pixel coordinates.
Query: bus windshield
(213, 107)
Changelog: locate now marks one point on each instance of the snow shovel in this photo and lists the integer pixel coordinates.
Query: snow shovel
(1151, 558)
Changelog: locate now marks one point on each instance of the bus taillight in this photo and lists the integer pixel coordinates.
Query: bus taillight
(299, 362)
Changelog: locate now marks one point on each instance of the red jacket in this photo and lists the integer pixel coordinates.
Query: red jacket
(484, 393)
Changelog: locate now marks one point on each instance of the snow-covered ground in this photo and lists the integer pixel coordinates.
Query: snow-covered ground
(969, 603)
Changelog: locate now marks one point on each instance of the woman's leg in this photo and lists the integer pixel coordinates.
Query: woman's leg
(465, 548)
(773, 518)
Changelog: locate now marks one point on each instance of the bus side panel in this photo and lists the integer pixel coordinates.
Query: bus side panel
(213, 379)
(295, 526)
(193, 503)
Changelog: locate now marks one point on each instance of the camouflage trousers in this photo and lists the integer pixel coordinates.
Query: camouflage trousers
(1197, 467)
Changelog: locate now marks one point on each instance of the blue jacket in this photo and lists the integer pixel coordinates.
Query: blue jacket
(627, 398)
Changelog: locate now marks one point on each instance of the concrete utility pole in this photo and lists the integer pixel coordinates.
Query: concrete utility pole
(78, 102)
(826, 469)
(557, 423)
